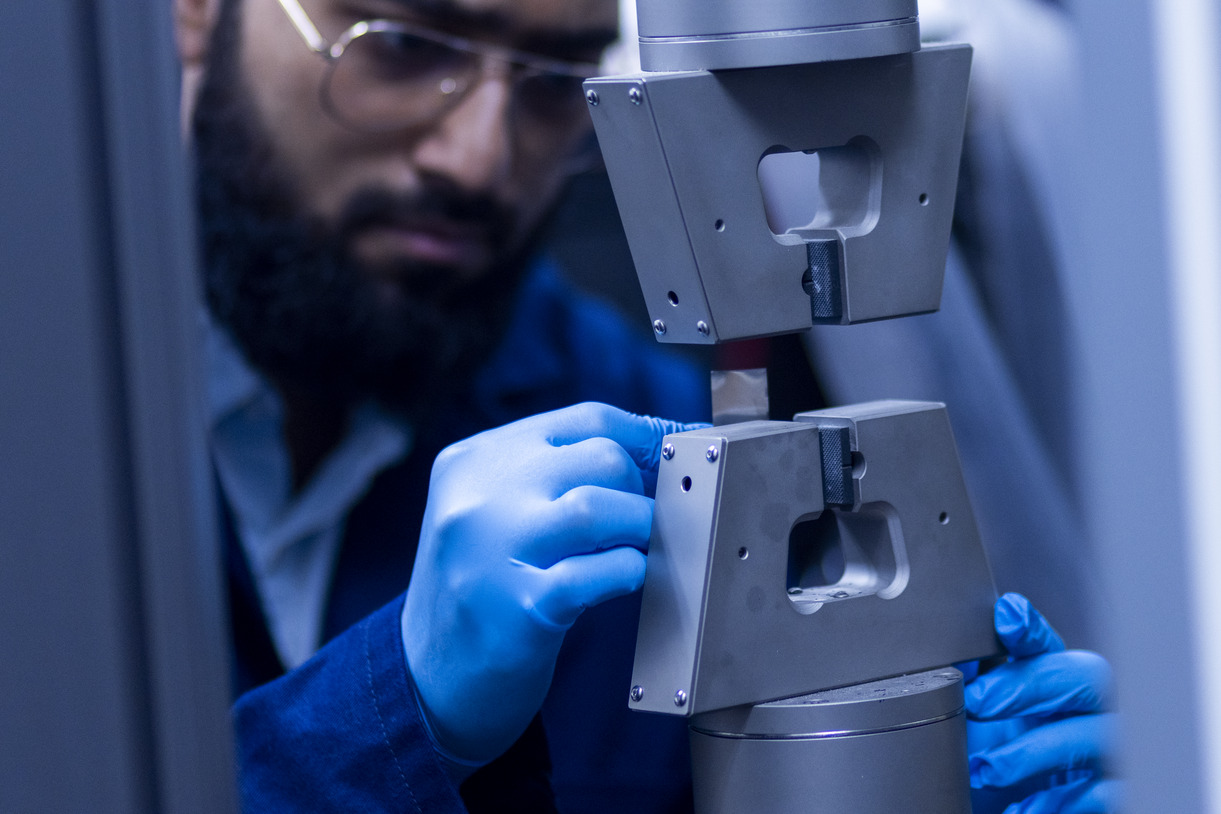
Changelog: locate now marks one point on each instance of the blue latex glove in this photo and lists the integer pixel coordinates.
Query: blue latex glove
(1050, 737)
(526, 526)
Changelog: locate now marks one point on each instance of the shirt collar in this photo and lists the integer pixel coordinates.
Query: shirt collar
(232, 382)
(245, 422)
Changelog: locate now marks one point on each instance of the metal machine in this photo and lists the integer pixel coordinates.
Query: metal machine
(779, 164)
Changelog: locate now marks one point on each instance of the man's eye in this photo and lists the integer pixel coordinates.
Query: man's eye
(398, 54)
(558, 83)
(548, 93)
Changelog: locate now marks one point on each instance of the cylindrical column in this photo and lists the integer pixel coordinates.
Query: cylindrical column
(680, 35)
(876, 748)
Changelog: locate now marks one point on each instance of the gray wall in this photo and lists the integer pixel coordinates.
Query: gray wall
(1137, 450)
(113, 693)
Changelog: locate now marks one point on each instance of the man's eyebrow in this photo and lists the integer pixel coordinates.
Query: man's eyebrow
(583, 44)
(449, 13)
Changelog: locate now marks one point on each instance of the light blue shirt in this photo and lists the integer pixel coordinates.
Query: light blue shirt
(291, 539)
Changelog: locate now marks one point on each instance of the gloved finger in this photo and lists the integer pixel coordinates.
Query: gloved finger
(589, 519)
(1072, 681)
(983, 735)
(640, 435)
(1072, 743)
(969, 670)
(1022, 629)
(598, 462)
(576, 583)
(1083, 797)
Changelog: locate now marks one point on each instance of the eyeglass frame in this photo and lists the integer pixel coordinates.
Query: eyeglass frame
(332, 52)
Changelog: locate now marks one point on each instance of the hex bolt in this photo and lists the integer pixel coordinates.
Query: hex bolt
(702, 327)
(591, 96)
(667, 451)
(637, 693)
(635, 95)
(659, 328)
(712, 454)
(680, 699)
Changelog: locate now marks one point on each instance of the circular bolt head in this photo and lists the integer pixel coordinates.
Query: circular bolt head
(712, 454)
(667, 451)
(635, 95)
(702, 327)
(591, 96)
(680, 699)
(637, 692)
(659, 327)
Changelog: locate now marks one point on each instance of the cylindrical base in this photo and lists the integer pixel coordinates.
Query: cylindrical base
(690, 35)
(890, 746)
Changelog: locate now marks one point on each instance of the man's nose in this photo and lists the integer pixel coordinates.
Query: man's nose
(472, 143)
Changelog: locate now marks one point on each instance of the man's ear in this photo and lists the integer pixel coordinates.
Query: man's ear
(193, 22)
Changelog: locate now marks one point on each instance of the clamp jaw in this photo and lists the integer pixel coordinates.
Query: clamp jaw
(763, 200)
(807, 194)
(794, 557)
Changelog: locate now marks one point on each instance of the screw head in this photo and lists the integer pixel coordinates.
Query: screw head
(680, 699)
(667, 451)
(702, 327)
(659, 328)
(591, 96)
(635, 95)
(712, 454)
(637, 693)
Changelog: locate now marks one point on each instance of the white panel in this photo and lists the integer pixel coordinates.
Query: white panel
(1187, 65)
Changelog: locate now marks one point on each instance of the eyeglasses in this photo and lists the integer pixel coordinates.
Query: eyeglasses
(385, 75)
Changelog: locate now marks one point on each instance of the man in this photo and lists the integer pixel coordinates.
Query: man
(372, 175)
(370, 276)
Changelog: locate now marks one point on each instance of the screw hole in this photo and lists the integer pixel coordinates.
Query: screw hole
(686, 484)
(943, 518)
(743, 553)
(672, 297)
(719, 225)
(924, 199)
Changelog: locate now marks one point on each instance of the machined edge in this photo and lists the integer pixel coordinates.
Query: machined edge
(771, 35)
(844, 733)
(759, 49)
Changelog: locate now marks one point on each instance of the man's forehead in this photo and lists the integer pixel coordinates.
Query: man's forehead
(577, 17)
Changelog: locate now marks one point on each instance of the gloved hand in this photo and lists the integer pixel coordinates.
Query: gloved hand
(1050, 738)
(526, 526)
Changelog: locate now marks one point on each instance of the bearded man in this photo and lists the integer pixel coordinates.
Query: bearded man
(372, 179)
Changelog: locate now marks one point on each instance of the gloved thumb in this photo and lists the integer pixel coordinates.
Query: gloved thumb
(1023, 630)
(640, 436)
(579, 582)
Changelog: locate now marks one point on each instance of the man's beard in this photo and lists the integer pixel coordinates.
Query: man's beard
(302, 307)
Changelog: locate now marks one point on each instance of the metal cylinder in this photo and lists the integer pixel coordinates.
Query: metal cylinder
(685, 35)
(877, 748)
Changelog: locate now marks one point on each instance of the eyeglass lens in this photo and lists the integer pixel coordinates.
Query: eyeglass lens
(387, 77)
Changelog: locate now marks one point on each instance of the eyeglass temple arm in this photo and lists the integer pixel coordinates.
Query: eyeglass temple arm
(305, 26)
